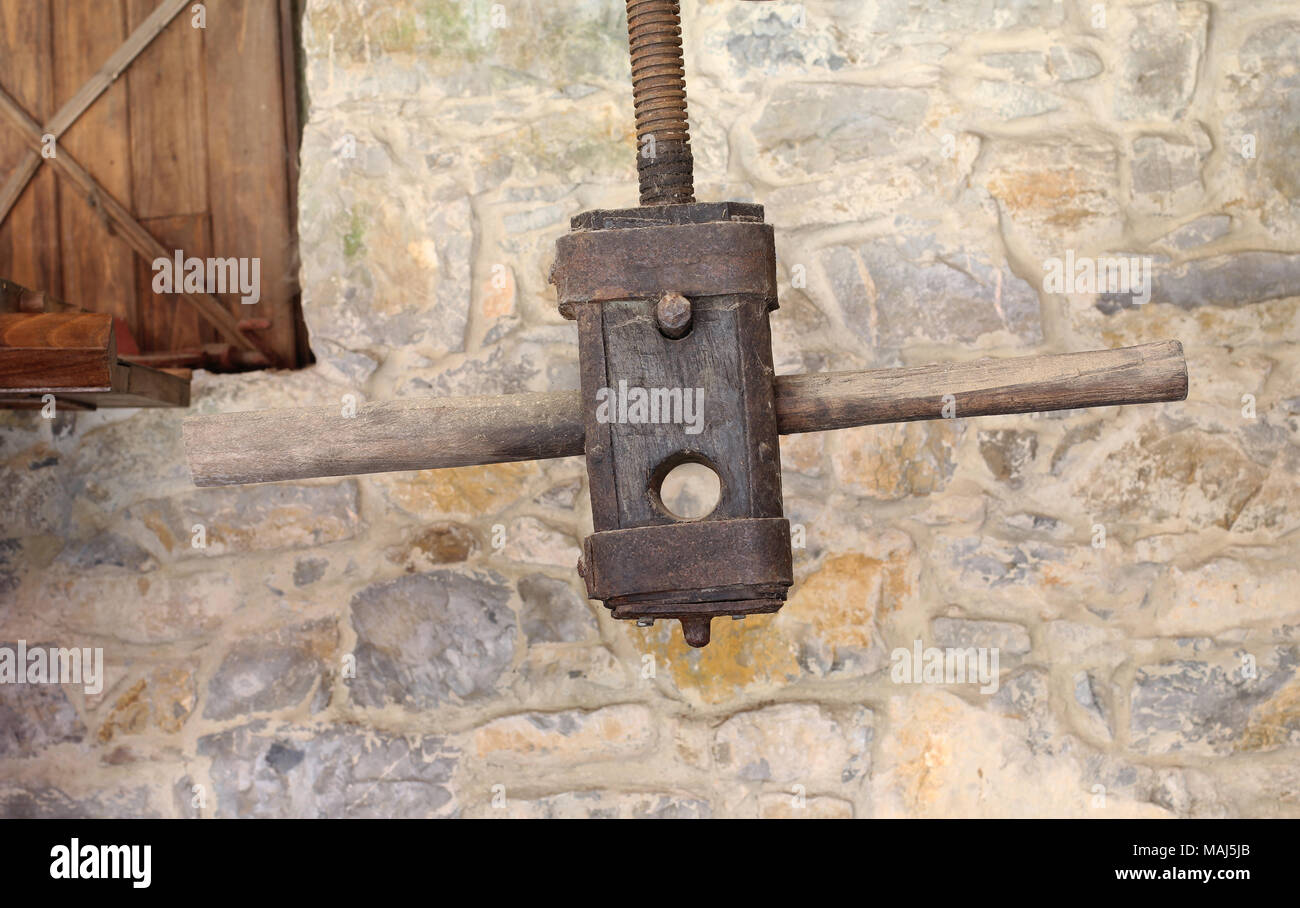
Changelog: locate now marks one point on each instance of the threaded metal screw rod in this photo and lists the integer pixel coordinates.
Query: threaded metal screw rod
(665, 167)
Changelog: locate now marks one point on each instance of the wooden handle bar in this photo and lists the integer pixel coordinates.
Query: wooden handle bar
(424, 434)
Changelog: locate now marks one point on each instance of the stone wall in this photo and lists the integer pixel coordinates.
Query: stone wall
(417, 644)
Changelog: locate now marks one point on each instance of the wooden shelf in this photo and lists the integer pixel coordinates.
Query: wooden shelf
(73, 355)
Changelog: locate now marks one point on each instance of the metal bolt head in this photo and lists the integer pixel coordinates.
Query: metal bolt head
(645, 622)
(673, 314)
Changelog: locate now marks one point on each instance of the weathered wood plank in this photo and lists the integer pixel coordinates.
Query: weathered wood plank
(99, 12)
(98, 267)
(29, 236)
(289, 41)
(598, 444)
(168, 129)
(167, 322)
(273, 445)
(17, 181)
(250, 215)
(170, 163)
(709, 357)
(141, 386)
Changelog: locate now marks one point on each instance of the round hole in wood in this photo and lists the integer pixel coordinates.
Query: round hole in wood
(690, 490)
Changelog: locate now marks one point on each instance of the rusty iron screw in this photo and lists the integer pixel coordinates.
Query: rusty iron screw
(673, 314)
(665, 167)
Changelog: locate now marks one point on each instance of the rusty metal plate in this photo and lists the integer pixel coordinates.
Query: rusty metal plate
(708, 560)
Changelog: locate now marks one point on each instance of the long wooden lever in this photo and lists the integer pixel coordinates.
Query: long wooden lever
(424, 434)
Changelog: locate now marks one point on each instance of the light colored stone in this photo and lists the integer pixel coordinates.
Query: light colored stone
(1166, 172)
(896, 461)
(1055, 196)
(1011, 100)
(795, 807)
(803, 453)
(1166, 41)
(1214, 597)
(563, 675)
(531, 541)
(1177, 479)
(1261, 102)
(1071, 64)
(795, 743)
(596, 805)
(904, 290)
(300, 773)
(943, 757)
(468, 491)
(807, 129)
(573, 737)
(1008, 638)
(239, 520)
(149, 609)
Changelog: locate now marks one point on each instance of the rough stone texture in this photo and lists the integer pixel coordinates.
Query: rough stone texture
(572, 737)
(596, 805)
(795, 743)
(35, 716)
(916, 289)
(1167, 171)
(552, 611)
(264, 672)
(1009, 639)
(1166, 41)
(163, 699)
(799, 807)
(1009, 454)
(1237, 702)
(417, 644)
(422, 639)
(48, 803)
(294, 772)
